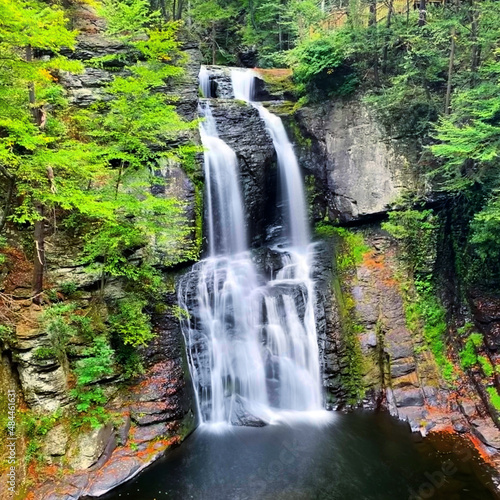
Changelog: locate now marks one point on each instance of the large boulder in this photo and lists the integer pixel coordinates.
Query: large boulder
(89, 446)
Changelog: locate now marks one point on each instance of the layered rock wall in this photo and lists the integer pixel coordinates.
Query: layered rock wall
(362, 170)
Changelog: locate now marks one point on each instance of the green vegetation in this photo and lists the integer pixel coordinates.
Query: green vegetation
(353, 246)
(92, 172)
(350, 252)
(424, 313)
(98, 165)
(468, 355)
(130, 323)
(416, 232)
(90, 397)
(494, 397)
(486, 366)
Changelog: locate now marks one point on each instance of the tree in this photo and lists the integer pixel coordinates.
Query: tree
(132, 133)
(29, 135)
(208, 15)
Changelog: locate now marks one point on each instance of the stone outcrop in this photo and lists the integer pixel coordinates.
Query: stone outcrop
(241, 128)
(399, 372)
(156, 413)
(361, 170)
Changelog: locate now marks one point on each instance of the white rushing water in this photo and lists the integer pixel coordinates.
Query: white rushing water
(204, 78)
(252, 344)
(292, 184)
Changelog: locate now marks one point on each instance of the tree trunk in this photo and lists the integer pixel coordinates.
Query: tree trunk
(450, 73)
(174, 9)
(118, 179)
(8, 202)
(39, 260)
(214, 48)
(180, 7)
(422, 13)
(386, 44)
(38, 236)
(188, 20)
(163, 9)
(373, 23)
(474, 36)
(280, 34)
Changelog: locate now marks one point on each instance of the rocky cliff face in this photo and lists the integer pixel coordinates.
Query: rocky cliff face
(241, 128)
(361, 169)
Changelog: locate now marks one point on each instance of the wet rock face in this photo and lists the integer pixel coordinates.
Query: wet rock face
(240, 126)
(157, 412)
(362, 171)
(486, 310)
(328, 326)
(398, 372)
(221, 86)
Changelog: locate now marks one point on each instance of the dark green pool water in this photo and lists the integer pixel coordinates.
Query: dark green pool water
(359, 456)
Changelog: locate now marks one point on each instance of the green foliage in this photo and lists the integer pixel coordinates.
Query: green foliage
(127, 18)
(34, 426)
(494, 397)
(130, 323)
(44, 353)
(3, 245)
(486, 231)
(57, 321)
(272, 27)
(90, 398)
(132, 134)
(69, 288)
(468, 355)
(349, 253)
(97, 363)
(416, 231)
(486, 365)
(352, 246)
(129, 359)
(6, 333)
(28, 150)
(432, 316)
(320, 65)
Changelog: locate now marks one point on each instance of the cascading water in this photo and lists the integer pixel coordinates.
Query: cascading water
(252, 345)
(292, 185)
(204, 78)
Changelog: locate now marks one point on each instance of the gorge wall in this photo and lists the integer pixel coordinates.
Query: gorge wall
(356, 174)
(60, 458)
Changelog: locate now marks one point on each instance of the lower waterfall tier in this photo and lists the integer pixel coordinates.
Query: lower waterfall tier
(251, 342)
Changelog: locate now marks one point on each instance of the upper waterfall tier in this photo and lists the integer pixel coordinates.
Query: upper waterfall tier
(293, 193)
(226, 223)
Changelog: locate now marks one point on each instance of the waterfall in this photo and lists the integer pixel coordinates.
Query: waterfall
(292, 185)
(251, 342)
(224, 202)
(204, 77)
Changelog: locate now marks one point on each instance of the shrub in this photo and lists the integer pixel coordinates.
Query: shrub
(90, 397)
(486, 365)
(494, 397)
(130, 323)
(320, 65)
